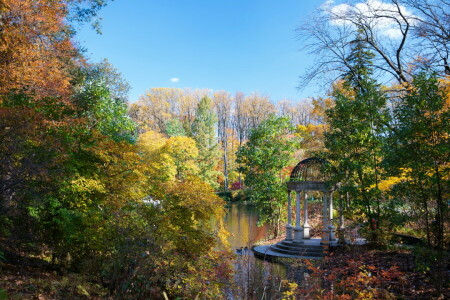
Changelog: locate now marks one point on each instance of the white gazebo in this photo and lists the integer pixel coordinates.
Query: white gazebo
(309, 175)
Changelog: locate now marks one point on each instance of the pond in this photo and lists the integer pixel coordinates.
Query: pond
(254, 278)
(241, 222)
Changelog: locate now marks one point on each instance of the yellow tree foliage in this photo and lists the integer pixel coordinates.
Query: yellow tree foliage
(168, 159)
(191, 205)
(183, 152)
(312, 136)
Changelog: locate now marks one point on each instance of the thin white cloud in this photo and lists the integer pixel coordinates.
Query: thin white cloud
(387, 25)
(328, 3)
(174, 79)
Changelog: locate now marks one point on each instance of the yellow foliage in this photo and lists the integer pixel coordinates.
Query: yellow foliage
(87, 185)
(191, 205)
(388, 183)
(445, 85)
(168, 159)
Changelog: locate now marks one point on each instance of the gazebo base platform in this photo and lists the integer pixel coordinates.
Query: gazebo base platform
(310, 249)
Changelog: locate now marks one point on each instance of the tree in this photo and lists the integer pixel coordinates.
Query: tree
(354, 144)
(240, 121)
(204, 134)
(258, 109)
(392, 30)
(432, 34)
(110, 77)
(223, 104)
(418, 153)
(168, 159)
(354, 140)
(264, 160)
(418, 149)
(104, 112)
(359, 62)
(35, 48)
(159, 107)
(300, 113)
(174, 128)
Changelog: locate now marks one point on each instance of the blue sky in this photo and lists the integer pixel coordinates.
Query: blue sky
(231, 45)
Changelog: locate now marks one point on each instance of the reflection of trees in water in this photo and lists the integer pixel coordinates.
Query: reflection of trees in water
(257, 279)
(240, 221)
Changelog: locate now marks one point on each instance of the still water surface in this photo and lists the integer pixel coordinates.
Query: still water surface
(254, 278)
(241, 222)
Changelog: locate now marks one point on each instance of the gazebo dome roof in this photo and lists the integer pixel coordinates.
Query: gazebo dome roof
(310, 169)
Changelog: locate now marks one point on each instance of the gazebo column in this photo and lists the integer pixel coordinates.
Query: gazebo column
(298, 230)
(341, 228)
(325, 231)
(289, 221)
(330, 226)
(305, 225)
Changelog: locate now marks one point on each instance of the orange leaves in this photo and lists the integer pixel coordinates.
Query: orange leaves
(351, 275)
(35, 48)
(445, 86)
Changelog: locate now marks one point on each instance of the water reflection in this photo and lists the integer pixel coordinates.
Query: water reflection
(253, 278)
(240, 221)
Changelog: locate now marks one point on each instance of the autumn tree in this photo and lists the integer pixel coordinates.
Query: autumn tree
(240, 121)
(223, 105)
(418, 152)
(263, 160)
(354, 141)
(300, 113)
(168, 159)
(36, 49)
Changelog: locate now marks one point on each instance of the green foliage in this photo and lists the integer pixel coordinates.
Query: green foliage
(105, 113)
(418, 150)
(106, 73)
(3, 294)
(264, 159)
(354, 144)
(174, 127)
(359, 62)
(204, 134)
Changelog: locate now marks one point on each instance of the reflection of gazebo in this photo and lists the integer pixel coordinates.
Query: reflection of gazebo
(310, 175)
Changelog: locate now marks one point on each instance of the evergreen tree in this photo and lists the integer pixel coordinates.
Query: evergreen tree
(175, 128)
(359, 63)
(356, 135)
(203, 132)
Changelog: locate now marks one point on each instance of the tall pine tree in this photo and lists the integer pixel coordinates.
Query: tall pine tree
(359, 63)
(203, 132)
(355, 138)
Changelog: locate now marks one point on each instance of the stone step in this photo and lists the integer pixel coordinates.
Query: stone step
(298, 251)
(295, 245)
(281, 246)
